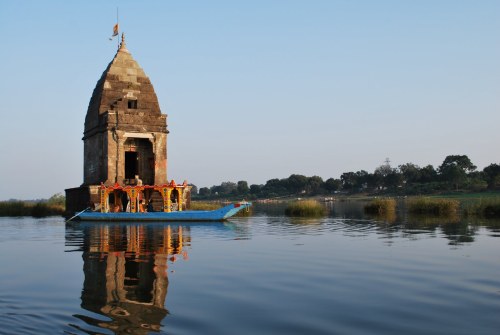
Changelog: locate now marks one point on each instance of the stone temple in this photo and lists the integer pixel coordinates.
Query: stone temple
(125, 134)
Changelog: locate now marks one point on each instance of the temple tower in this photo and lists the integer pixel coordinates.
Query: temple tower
(125, 133)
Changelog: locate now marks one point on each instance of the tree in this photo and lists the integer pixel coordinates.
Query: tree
(314, 185)
(348, 180)
(362, 177)
(255, 189)
(455, 168)
(242, 187)
(57, 200)
(492, 175)
(216, 190)
(275, 187)
(427, 174)
(374, 180)
(297, 183)
(410, 172)
(204, 192)
(332, 185)
(384, 169)
(394, 179)
(228, 187)
(194, 189)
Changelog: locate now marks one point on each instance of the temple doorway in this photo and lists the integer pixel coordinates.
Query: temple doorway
(131, 164)
(139, 161)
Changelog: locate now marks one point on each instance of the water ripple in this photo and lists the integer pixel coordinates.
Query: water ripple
(265, 274)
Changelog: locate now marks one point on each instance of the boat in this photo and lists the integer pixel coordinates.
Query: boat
(220, 214)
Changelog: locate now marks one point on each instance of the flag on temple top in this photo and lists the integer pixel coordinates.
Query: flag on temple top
(115, 31)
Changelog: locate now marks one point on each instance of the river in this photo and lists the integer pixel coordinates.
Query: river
(264, 274)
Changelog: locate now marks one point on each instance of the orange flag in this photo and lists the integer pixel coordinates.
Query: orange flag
(115, 30)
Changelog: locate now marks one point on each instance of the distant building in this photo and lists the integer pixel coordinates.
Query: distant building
(125, 135)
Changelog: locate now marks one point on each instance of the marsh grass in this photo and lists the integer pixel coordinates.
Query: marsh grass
(204, 206)
(381, 206)
(482, 207)
(14, 208)
(21, 208)
(305, 208)
(431, 206)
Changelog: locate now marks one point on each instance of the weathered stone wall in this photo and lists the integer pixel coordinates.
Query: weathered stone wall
(160, 149)
(112, 160)
(95, 151)
(123, 105)
(79, 198)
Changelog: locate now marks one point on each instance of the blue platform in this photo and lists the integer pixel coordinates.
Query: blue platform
(220, 214)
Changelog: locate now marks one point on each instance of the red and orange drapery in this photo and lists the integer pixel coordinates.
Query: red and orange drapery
(136, 193)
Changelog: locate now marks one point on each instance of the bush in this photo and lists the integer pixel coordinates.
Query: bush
(432, 206)
(381, 206)
(305, 208)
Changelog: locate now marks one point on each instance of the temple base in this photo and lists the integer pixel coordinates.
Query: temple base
(79, 198)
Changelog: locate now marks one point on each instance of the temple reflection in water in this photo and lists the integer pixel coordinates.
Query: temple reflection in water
(125, 269)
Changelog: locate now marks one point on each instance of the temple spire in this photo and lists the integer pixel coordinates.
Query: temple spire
(123, 45)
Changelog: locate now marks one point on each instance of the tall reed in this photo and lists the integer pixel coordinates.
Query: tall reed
(14, 208)
(21, 208)
(483, 207)
(432, 206)
(381, 206)
(204, 206)
(305, 208)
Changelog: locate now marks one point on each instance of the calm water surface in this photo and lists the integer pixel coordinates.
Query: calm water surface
(266, 274)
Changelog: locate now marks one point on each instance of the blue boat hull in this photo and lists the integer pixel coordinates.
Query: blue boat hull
(220, 214)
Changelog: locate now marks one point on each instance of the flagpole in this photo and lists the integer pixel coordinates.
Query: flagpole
(117, 22)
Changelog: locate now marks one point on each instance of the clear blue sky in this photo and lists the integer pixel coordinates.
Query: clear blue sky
(255, 90)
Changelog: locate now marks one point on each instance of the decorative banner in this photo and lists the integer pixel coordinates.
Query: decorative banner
(180, 192)
(133, 199)
(103, 200)
(166, 200)
(165, 194)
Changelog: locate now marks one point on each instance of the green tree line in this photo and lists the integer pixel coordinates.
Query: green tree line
(457, 172)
